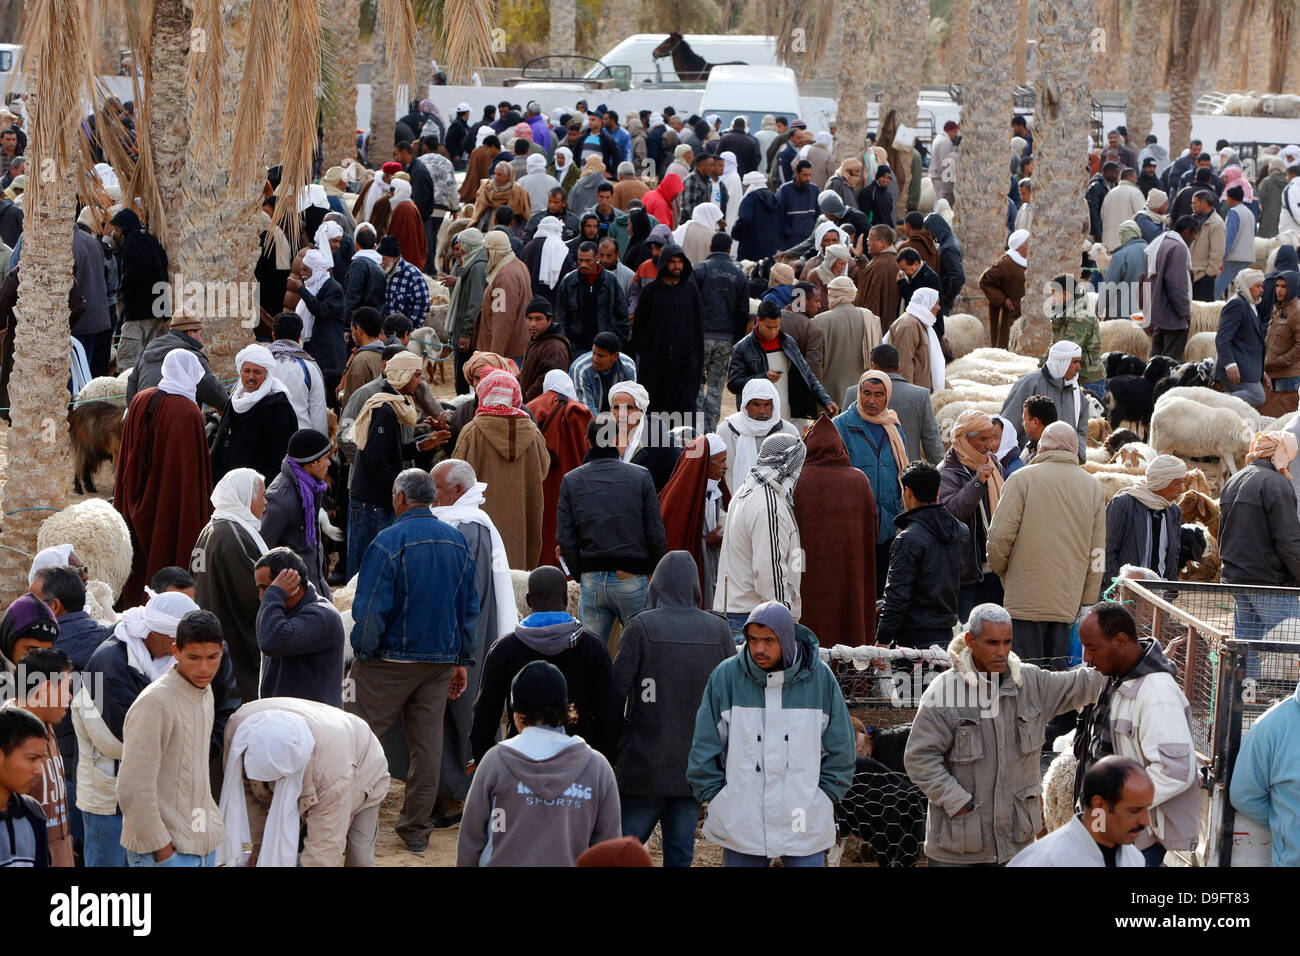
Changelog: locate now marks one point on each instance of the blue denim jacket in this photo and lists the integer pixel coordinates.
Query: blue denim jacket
(877, 464)
(416, 597)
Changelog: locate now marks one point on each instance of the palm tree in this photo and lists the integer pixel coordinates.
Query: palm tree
(958, 47)
(169, 45)
(1061, 120)
(900, 33)
(40, 465)
(983, 174)
(1107, 62)
(1180, 66)
(854, 73)
(343, 20)
(564, 25)
(1022, 41)
(383, 103)
(1146, 27)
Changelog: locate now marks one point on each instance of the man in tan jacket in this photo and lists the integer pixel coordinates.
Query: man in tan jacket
(919, 360)
(1047, 541)
(337, 767)
(1207, 249)
(168, 815)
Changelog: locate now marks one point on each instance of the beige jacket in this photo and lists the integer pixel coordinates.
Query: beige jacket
(347, 773)
(910, 337)
(162, 784)
(1047, 540)
(1208, 248)
(973, 738)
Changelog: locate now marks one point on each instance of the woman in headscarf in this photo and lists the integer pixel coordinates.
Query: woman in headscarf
(588, 231)
(501, 325)
(642, 439)
(583, 194)
(230, 545)
(835, 263)
(920, 357)
(564, 169)
(1144, 522)
(500, 190)
(1008, 453)
(970, 481)
(694, 236)
(258, 418)
(476, 366)
(486, 148)
(847, 181)
(639, 231)
(509, 455)
(548, 258)
(164, 473)
(562, 420)
(405, 223)
(1003, 283)
(321, 307)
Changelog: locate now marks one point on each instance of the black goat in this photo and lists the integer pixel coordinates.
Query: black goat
(1191, 545)
(1118, 439)
(1120, 363)
(883, 808)
(1158, 367)
(1129, 398)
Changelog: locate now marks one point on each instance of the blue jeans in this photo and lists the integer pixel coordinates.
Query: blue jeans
(365, 521)
(603, 597)
(1098, 389)
(1252, 393)
(103, 846)
(737, 624)
(678, 816)
(1256, 616)
(717, 360)
(732, 858)
(1154, 854)
(176, 859)
(1226, 276)
(1289, 383)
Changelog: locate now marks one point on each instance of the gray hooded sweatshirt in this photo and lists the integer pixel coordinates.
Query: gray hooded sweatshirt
(538, 799)
(665, 657)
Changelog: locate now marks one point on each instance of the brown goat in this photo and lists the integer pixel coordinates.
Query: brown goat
(95, 432)
(1200, 507)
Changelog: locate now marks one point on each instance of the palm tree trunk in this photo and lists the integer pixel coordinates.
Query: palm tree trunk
(1022, 42)
(1283, 27)
(902, 38)
(383, 106)
(958, 45)
(167, 57)
(564, 26)
(618, 18)
(1143, 77)
(216, 248)
(854, 70)
(1064, 105)
(1108, 60)
(344, 22)
(1182, 75)
(983, 174)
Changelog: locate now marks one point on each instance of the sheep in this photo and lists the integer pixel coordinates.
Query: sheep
(1097, 456)
(1098, 431)
(1058, 784)
(1261, 249)
(986, 376)
(1129, 401)
(998, 359)
(103, 388)
(1112, 483)
(1135, 455)
(342, 600)
(1196, 481)
(98, 535)
(1181, 426)
(1201, 346)
(964, 333)
(967, 393)
(1204, 563)
(948, 415)
(1118, 439)
(123, 380)
(1100, 466)
(1288, 238)
(1205, 317)
(1212, 399)
(883, 808)
(1125, 335)
(1200, 508)
(1282, 423)
(520, 581)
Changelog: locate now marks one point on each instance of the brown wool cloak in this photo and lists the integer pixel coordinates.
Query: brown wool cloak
(505, 332)
(563, 424)
(405, 223)
(164, 484)
(836, 513)
(877, 283)
(681, 502)
(509, 455)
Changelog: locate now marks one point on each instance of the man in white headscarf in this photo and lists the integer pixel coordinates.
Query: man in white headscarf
(1058, 380)
(1144, 522)
(761, 558)
(731, 183)
(460, 497)
(920, 357)
(258, 420)
(1239, 341)
(537, 181)
(295, 765)
(164, 474)
(695, 234)
(744, 431)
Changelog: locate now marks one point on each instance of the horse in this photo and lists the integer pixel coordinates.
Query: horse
(689, 66)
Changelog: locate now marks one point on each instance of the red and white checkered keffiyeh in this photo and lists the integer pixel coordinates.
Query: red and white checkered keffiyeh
(499, 394)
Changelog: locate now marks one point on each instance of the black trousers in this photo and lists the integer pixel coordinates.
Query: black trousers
(1169, 342)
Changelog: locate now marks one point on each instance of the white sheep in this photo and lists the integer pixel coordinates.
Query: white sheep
(965, 333)
(98, 535)
(1096, 455)
(1205, 317)
(1180, 426)
(1261, 249)
(1135, 454)
(1200, 347)
(967, 392)
(926, 202)
(1125, 335)
(520, 581)
(948, 415)
(123, 379)
(1283, 422)
(1288, 238)
(1058, 784)
(1212, 399)
(1112, 483)
(103, 388)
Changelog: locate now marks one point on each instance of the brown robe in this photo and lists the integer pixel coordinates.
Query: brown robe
(509, 455)
(164, 484)
(476, 171)
(1003, 284)
(877, 282)
(681, 502)
(836, 513)
(506, 331)
(925, 247)
(405, 223)
(546, 353)
(563, 424)
(912, 340)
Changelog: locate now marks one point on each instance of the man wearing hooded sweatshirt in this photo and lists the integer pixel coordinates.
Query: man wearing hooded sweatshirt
(184, 333)
(1141, 714)
(143, 264)
(558, 794)
(658, 202)
(773, 747)
(550, 634)
(668, 335)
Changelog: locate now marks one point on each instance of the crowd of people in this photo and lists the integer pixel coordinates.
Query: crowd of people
(728, 470)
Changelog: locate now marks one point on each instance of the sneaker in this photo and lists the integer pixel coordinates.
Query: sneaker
(416, 846)
(443, 820)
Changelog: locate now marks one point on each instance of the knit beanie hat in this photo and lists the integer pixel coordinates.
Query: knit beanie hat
(307, 445)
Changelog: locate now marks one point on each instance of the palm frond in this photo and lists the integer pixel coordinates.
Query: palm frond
(330, 96)
(302, 47)
(203, 65)
(466, 35)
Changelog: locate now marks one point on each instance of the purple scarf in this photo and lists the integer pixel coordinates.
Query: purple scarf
(308, 489)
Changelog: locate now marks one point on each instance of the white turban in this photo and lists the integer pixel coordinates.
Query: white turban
(181, 374)
(535, 163)
(1163, 470)
(638, 392)
(557, 380)
(161, 615)
(232, 500)
(327, 231)
(259, 355)
(1059, 357)
(59, 554)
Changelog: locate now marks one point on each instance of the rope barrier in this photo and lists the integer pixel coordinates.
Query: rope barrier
(19, 510)
(861, 657)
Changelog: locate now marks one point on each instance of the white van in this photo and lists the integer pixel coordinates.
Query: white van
(634, 54)
(753, 91)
